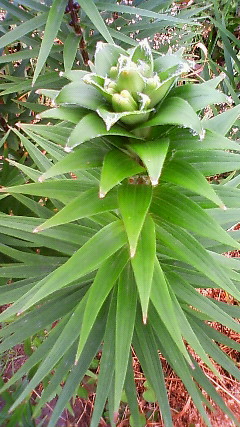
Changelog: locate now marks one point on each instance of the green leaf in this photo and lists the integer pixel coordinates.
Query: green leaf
(92, 12)
(176, 111)
(79, 93)
(69, 114)
(162, 301)
(132, 117)
(92, 126)
(104, 281)
(116, 167)
(134, 201)
(188, 214)
(70, 49)
(96, 250)
(21, 30)
(147, 351)
(85, 157)
(125, 320)
(153, 154)
(106, 56)
(199, 96)
(185, 175)
(185, 292)
(79, 370)
(223, 122)
(189, 250)
(106, 373)
(143, 263)
(85, 205)
(54, 20)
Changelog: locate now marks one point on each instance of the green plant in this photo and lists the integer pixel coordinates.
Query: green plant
(126, 271)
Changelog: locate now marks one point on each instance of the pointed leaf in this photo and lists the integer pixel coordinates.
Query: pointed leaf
(103, 283)
(162, 301)
(79, 93)
(69, 114)
(199, 96)
(85, 205)
(153, 154)
(93, 14)
(189, 250)
(134, 201)
(147, 351)
(186, 176)
(116, 167)
(85, 157)
(90, 127)
(52, 27)
(222, 123)
(70, 49)
(176, 111)
(143, 263)
(106, 56)
(125, 320)
(188, 214)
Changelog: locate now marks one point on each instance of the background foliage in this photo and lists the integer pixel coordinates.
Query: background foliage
(40, 271)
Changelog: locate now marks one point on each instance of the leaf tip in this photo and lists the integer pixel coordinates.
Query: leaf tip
(36, 230)
(2, 189)
(144, 318)
(67, 149)
(224, 207)
(41, 178)
(154, 181)
(132, 251)
(101, 194)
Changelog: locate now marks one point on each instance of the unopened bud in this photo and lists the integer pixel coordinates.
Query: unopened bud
(130, 80)
(124, 102)
(113, 72)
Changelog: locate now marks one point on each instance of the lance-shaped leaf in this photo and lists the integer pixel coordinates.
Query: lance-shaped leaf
(188, 214)
(153, 154)
(106, 56)
(80, 93)
(106, 373)
(143, 263)
(116, 167)
(85, 157)
(104, 281)
(134, 201)
(222, 123)
(199, 96)
(111, 118)
(85, 205)
(90, 127)
(186, 176)
(70, 49)
(125, 320)
(162, 301)
(52, 26)
(69, 114)
(142, 55)
(145, 345)
(176, 111)
(97, 82)
(187, 249)
(86, 259)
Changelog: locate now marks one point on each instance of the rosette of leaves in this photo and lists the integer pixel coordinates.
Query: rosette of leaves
(148, 229)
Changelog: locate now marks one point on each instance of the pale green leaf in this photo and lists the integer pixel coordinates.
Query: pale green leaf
(116, 167)
(90, 127)
(125, 320)
(143, 263)
(153, 154)
(54, 20)
(134, 201)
